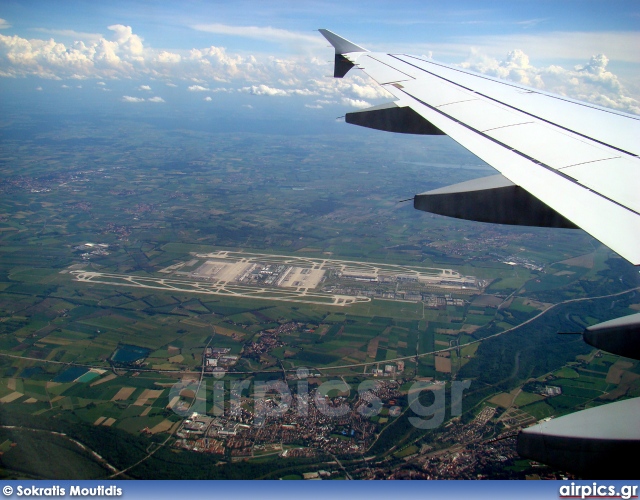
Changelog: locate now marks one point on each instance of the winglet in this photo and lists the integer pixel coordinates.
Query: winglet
(343, 46)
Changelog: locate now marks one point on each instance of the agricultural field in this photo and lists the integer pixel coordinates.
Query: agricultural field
(101, 360)
(590, 382)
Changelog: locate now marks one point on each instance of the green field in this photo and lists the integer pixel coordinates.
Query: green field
(156, 193)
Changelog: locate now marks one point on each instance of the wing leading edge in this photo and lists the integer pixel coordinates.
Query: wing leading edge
(562, 163)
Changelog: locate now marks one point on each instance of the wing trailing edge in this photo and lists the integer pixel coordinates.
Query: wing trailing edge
(390, 117)
(620, 336)
(493, 199)
(592, 443)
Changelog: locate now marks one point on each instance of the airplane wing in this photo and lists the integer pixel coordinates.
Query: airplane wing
(562, 163)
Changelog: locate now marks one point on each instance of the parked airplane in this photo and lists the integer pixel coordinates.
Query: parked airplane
(562, 163)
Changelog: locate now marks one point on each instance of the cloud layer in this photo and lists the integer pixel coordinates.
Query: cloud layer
(590, 82)
(209, 70)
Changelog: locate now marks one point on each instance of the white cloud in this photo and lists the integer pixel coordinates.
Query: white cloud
(515, 67)
(4, 24)
(128, 43)
(165, 57)
(303, 92)
(261, 33)
(590, 82)
(122, 55)
(248, 106)
(531, 22)
(208, 98)
(289, 82)
(313, 106)
(128, 98)
(559, 47)
(76, 35)
(356, 84)
(215, 63)
(356, 103)
(39, 89)
(155, 99)
(622, 46)
(264, 90)
(369, 91)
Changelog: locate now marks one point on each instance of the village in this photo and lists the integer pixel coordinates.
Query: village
(310, 424)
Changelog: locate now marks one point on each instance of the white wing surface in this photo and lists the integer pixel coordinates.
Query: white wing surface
(562, 163)
(580, 160)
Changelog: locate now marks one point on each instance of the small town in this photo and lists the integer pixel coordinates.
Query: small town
(310, 424)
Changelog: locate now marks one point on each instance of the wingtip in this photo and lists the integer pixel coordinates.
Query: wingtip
(341, 45)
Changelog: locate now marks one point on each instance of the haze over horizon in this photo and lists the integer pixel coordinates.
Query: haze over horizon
(259, 58)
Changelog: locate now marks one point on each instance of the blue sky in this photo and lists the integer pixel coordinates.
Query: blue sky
(141, 49)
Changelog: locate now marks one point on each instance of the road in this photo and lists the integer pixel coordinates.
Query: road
(331, 368)
(403, 358)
